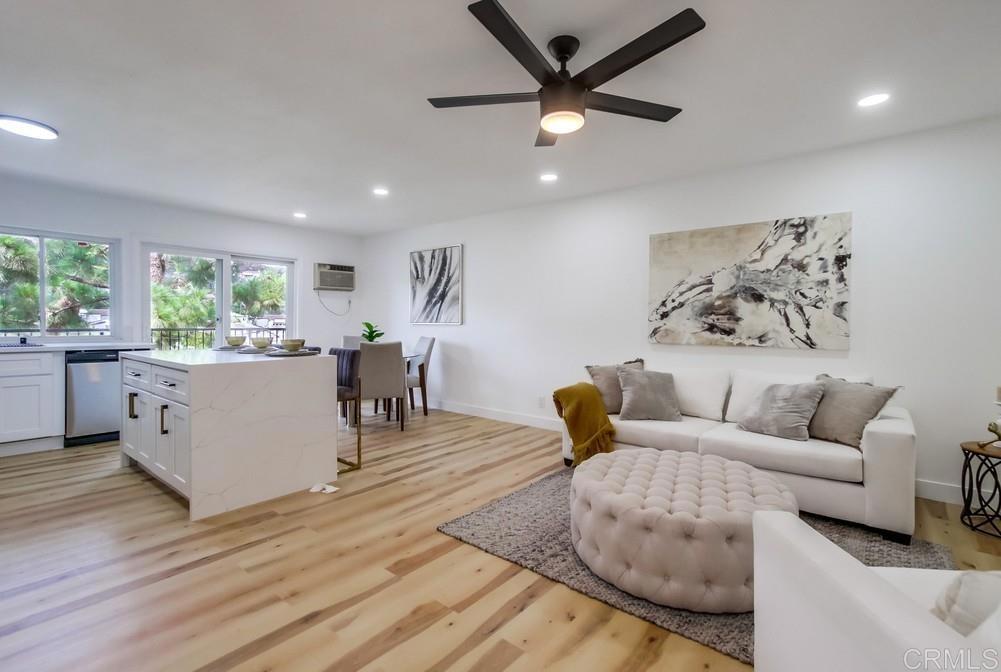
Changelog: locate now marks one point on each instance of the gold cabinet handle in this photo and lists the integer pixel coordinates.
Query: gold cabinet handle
(132, 405)
(163, 424)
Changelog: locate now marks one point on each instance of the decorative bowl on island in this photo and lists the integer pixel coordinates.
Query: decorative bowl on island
(293, 344)
(235, 341)
(261, 342)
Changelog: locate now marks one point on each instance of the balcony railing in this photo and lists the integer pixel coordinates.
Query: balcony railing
(163, 339)
(198, 338)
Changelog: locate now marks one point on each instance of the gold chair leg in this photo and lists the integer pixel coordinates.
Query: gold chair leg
(356, 465)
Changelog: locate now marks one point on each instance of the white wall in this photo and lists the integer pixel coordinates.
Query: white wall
(26, 203)
(550, 289)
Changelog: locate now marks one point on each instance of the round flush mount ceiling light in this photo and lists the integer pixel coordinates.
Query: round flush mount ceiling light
(380, 191)
(548, 177)
(563, 107)
(874, 99)
(299, 215)
(27, 128)
(562, 121)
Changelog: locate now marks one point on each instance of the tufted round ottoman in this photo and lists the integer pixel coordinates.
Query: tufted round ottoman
(673, 528)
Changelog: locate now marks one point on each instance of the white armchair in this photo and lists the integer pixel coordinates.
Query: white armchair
(817, 608)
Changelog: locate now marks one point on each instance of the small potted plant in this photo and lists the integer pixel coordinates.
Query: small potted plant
(371, 332)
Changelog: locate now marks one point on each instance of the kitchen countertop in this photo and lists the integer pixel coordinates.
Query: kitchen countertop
(185, 359)
(85, 345)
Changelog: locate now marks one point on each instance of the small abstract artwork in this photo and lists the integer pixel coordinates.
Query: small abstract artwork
(436, 286)
(775, 284)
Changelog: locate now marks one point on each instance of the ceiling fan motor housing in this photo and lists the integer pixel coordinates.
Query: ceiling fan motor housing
(563, 97)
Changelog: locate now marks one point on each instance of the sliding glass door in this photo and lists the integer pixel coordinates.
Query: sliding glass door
(195, 298)
(184, 292)
(260, 298)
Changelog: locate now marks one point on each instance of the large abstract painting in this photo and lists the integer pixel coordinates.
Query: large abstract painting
(436, 286)
(777, 284)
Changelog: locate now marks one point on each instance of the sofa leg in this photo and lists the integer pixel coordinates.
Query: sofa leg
(896, 537)
(567, 461)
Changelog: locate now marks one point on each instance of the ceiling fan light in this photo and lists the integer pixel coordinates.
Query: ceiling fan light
(562, 121)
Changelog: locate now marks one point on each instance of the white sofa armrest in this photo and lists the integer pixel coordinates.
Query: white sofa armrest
(817, 608)
(889, 457)
(567, 443)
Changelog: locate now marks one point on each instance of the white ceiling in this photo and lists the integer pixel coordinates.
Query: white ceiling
(260, 108)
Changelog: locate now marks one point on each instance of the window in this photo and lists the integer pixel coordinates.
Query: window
(197, 297)
(54, 286)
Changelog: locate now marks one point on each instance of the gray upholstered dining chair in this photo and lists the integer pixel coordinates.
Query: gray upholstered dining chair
(350, 341)
(417, 370)
(348, 394)
(382, 374)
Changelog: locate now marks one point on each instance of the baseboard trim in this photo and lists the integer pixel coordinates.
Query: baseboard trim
(539, 421)
(939, 492)
(31, 446)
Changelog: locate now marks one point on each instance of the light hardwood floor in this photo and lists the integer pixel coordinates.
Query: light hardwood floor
(100, 569)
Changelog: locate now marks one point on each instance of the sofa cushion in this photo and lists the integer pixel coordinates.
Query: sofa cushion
(702, 392)
(784, 411)
(662, 434)
(648, 395)
(812, 457)
(606, 379)
(846, 409)
(970, 599)
(748, 386)
(923, 586)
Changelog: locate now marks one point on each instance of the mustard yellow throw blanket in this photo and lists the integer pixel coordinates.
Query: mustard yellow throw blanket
(584, 412)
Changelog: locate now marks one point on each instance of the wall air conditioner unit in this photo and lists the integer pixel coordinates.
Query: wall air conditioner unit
(334, 277)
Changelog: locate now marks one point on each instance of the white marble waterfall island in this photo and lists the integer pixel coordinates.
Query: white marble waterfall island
(227, 430)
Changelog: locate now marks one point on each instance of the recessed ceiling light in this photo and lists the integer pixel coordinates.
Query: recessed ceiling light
(874, 99)
(27, 128)
(549, 177)
(380, 191)
(299, 215)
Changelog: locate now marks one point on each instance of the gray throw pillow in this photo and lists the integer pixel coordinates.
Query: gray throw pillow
(784, 411)
(846, 409)
(606, 379)
(648, 395)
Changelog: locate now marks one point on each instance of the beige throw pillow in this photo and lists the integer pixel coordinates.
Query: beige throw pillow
(648, 395)
(606, 379)
(846, 408)
(969, 601)
(784, 411)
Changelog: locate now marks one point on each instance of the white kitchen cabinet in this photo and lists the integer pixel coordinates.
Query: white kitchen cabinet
(31, 395)
(26, 407)
(137, 438)
(172, 457)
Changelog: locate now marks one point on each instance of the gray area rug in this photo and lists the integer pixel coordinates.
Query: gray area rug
(531, 527)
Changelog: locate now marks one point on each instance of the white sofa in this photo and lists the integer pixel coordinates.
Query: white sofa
(817, 608)
(873, 486)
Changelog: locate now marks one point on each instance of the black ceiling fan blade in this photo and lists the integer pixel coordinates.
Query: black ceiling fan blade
(605, 102)
(545, 138)
(502, 26)
(489, 99)
(684, 24)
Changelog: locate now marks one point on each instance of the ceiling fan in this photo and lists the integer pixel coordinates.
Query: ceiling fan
(564, 99)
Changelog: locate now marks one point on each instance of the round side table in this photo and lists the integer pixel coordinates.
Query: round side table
(981, 488)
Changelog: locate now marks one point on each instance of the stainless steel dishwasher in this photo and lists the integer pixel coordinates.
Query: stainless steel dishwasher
(93, 397)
